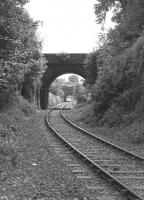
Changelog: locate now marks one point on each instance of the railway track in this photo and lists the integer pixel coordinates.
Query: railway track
(108, 171)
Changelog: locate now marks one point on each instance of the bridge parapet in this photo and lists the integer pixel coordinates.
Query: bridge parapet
(72, 58)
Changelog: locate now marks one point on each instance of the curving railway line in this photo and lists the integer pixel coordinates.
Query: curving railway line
(107, 171)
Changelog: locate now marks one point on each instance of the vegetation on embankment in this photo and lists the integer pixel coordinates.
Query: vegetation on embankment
(13, 111)
(29, 167)
(115, 77)
(21, 61)
(54, 100)
(115, 72)
(129, 136)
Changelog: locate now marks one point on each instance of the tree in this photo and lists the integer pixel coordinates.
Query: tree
(19, 45)
(10, 43)
(67, 89)
(128, 15)
(56, 86)
(118, 87)
(80, 93)
(91, 68)
(21, 59)
(103, 6)
(73, 79)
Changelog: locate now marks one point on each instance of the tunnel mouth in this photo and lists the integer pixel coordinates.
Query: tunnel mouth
(63, 82)
(53, 72)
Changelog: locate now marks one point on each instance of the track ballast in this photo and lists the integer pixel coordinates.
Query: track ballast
(121, 169)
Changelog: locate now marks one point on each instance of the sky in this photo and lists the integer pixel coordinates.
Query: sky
(68, 26)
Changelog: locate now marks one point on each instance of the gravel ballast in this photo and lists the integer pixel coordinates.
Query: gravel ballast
(39, 173)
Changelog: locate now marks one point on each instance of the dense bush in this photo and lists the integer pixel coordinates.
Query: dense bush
(54, 100)
(8, 153)
(118, 90)
(91, 68)
(10, 99)
(17, 110)
(21, 59)
(80, 93)
(120, 84)
(6, 98)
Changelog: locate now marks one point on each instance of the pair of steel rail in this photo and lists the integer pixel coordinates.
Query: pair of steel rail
(127, 192)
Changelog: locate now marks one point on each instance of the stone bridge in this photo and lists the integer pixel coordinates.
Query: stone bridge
(59, 64)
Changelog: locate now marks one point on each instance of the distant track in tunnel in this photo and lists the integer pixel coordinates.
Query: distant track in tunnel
(120, 170)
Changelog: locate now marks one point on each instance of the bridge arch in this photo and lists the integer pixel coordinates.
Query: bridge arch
(59, 64)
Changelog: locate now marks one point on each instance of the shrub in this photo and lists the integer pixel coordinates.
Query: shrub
(134, 133)
(80, 93)
(119, 87)
(8, 153)
(54, 100)
(11, 100)
(26, 107)
(7, 98)
(113, 117)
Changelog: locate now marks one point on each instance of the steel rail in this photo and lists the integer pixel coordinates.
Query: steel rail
(115, 183)
(99, 138)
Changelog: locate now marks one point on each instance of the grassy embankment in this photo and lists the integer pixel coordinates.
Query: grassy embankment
(13, 110)
(128, 136)
(29, 167)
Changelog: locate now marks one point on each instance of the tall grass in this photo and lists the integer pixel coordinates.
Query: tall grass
(13, 110)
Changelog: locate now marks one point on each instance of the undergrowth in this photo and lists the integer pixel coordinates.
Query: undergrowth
(13, 110)
(54, 100)
(125, 134)
(118, 91)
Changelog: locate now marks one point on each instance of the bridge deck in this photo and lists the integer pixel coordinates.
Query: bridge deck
(76, 58)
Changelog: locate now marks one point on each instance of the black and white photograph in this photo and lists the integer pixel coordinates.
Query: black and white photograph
(71, 99)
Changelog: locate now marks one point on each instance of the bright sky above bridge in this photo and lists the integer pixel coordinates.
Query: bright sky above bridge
(68, 25)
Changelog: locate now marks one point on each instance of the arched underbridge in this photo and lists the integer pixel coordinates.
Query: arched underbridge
(59, 64)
